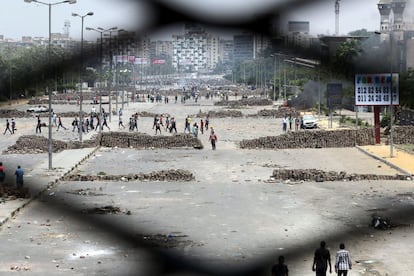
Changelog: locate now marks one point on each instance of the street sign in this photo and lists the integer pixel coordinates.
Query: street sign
(375, 89)
(334, 95)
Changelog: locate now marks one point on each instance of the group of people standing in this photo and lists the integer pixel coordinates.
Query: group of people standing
(291, 121)
(321, 261)
(18, 173)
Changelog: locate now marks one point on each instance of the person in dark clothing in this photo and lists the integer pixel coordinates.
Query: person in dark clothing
(7, 127)
(39, 125)
(321, 260)
(19, 177)
(280, 269)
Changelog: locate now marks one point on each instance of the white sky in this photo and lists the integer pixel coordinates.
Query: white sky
(18, 18)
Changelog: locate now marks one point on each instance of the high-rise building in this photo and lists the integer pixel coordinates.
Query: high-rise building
(248, 46)
(190, 49)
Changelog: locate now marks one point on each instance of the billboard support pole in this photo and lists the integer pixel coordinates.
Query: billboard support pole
(377, 124)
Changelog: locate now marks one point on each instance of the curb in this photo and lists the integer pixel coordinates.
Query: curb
(385, 162)
(49, 185)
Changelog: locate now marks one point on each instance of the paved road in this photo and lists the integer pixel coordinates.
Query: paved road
(230, 215)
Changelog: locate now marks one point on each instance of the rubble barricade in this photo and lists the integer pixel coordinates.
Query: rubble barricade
(314, 175)
(313, 139)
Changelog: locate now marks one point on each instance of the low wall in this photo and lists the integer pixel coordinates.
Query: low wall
(320, 176)
(313, 139)
(139, 140)
(403, 135)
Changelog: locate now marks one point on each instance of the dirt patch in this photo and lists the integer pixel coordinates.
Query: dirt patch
(106, 210)
(86, 192)
(8, 192)
(172, 240)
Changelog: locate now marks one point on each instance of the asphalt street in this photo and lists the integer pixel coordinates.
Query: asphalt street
(232, 216)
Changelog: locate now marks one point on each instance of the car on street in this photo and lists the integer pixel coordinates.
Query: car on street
(38, 109)
(309, 121)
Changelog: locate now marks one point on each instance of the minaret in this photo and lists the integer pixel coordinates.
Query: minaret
(398, 7)
(384, 8)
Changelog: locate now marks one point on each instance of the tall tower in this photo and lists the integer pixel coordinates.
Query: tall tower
(384, 8)
(337, 17)
(66, 28)
(398, 7)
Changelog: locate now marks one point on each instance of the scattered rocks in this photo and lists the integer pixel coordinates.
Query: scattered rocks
(163, 175)
(105, 210)
(8, 192)
(321, 176)
(171, 240)
(313, 139)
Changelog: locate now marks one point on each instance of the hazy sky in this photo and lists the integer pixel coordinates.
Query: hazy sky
(18, 18)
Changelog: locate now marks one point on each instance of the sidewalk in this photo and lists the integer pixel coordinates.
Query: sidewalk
(40, 178)
(401, 160)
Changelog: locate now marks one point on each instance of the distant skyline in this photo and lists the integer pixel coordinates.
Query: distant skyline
(18, 18)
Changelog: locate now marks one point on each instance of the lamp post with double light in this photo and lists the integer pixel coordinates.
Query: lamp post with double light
(49, 142)
(101, 31)
(80, 126)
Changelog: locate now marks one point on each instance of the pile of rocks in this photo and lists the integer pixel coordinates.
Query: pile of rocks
(403, 135)
(277, 113)
(313, 139)
(245, 102)
(163, 175)
(220, 114)
(34, 144)
(13, 113)
(142, 140)
(320, 175)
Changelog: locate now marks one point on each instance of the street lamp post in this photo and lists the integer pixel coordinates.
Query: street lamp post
(391, 95)
(101, 31)
(49, 142)
(80, 75)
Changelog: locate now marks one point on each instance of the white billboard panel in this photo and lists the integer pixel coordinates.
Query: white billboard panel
(375, 89)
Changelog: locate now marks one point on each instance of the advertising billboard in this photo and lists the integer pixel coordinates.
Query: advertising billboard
(375, 89)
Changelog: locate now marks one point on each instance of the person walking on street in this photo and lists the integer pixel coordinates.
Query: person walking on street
(54, 117)
(13, 126)
(173, 125)
(2, 173)
(105, 123)
(120, 123)
(19, 177)
(75, 124)
(7, 127)
(280, 269)
(39, 125)
(202, 126)
(343, 261)
(213, 139)
(321, 259)
(284, 124)
(60, 125)
(2, 177)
